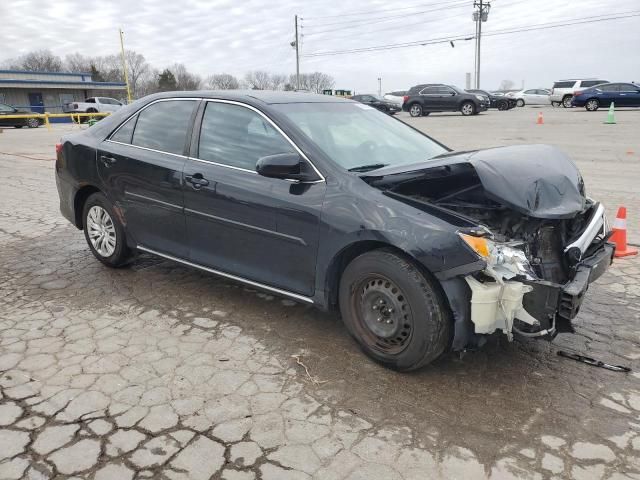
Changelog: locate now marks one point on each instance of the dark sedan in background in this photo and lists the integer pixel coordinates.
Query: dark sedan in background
(337, 205)
(620, 94)
(378, 103)
(436, 97)
(6, 110)
(499, 101)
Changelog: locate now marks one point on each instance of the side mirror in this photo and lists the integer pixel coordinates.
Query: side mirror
(453, 94)
(288, 166)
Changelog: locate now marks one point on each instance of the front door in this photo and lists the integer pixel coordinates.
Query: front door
(629, 95)
(141, 166)
(36, 102)
(258, 228)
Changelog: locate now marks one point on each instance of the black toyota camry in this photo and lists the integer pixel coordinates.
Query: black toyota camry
(315, 198)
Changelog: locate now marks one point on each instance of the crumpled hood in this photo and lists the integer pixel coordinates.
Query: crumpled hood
(536, 180)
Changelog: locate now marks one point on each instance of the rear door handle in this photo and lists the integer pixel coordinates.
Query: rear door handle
(197, 181)
(107, 160)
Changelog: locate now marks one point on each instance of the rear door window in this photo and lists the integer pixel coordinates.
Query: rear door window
(563, 84)
(591, 83)
(610, 87)
(163, 126)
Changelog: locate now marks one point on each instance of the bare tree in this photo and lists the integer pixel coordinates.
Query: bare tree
(258, 80)
(137, 67)
(506, 84)
(37, 61)
(222, 81)
(278, 81)
(148, 83)
(185, 80)
(78, 63)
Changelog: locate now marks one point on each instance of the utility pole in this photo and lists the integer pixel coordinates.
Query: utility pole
(297, 56)
(124, 66)
(479, 16)
(379, 86)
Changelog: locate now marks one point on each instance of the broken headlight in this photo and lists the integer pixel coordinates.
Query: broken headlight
(505, 259)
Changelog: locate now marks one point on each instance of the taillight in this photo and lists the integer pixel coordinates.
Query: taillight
(405, 98)
(58, 148)
(577, 93)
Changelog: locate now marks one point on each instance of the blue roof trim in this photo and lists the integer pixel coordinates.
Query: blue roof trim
(55, 82)
(71, 74)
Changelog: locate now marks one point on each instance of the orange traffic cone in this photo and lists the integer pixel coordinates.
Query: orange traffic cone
(619, 235)
(540, 119)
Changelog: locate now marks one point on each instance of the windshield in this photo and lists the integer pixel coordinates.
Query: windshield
(354, 135)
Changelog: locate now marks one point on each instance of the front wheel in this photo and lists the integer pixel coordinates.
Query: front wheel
(468, 108)
(592, 105)
(104, 233)
(33, 123)
(520, 102)
(394, 311)
(415, 110)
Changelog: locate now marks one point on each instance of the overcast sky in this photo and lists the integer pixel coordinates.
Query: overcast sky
(213, 36)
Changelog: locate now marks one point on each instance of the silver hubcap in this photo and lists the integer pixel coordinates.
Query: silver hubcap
(467, 109)
(567, 102)
(592, 105)
(415, 110)
(102, 232)
(33, 123)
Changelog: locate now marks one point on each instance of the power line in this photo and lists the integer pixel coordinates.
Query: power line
(470, 36)
(376, 11)
(369, 21)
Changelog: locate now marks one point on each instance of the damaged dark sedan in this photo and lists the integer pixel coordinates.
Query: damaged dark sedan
(333, 203)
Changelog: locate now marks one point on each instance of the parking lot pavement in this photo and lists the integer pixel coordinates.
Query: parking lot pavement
(160, 371)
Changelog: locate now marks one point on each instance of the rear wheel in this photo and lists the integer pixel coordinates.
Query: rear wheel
(503, 105)
(592, 105)
(18, 126)
(104, 233)
(468, 108)
(566, 101)
(393, 310)
(33, 123)
(520, 102)
(415, 110)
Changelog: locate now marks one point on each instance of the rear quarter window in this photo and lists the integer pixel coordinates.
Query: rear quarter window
(591, 83)
(563, 84)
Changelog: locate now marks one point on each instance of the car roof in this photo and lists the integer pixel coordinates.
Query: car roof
(264, 96)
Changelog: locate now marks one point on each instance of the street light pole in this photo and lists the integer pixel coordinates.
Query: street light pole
(297, 57)
(124, 66)
(379, 86)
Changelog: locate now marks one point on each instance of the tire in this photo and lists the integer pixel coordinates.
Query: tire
(393, 311)
(425, 114)
(520, 102)
(592, 105)
(468, 108)
(556, 104)
(97, 226)
(415, 110)
(33, 123)
(503, 106)
(18, 126)
(566, 101)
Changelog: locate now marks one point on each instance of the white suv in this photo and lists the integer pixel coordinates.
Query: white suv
(562, 91)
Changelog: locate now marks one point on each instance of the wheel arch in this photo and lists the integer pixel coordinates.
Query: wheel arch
(353, 250)
(79, 200)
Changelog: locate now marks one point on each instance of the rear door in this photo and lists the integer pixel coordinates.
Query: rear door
(141, 166)
(608, 93)
(241, 223)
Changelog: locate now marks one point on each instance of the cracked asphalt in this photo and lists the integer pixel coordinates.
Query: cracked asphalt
(161, 371)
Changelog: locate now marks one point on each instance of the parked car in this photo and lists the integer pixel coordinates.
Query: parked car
(6, 110)
(378, 102)
(563, 90)
(93, 105)
(315, 198)
(621, 94)
(396, 97)
(531, 96)
(499, 101)
(436, 97)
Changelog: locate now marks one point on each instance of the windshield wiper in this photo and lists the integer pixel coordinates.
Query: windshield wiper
(367, 168)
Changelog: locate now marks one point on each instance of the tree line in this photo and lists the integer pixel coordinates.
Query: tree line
(145, 79)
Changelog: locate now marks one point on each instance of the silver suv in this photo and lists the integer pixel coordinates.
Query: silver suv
(562, 91)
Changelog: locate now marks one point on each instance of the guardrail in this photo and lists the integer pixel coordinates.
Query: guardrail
(47, 116)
